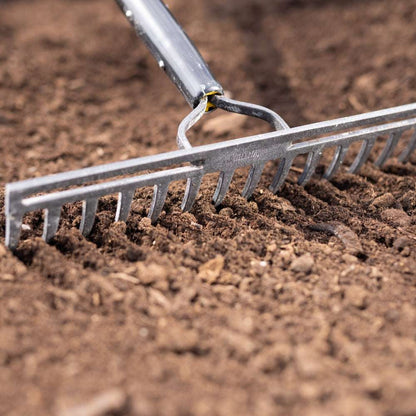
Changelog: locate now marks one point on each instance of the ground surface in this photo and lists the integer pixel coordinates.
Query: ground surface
(285, 318)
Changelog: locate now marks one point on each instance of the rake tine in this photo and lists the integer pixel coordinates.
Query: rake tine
(405, 155)
(224, 182)
(159, 196)
(125, 199)
(191, 192)
(336, 162)
(50, 226)
(13, 227)
(388, 148)
(253, 179)
(311, 164)
(362, 155)
(89, 207)
(282, 172)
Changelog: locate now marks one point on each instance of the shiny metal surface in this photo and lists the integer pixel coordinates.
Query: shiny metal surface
(283, 145)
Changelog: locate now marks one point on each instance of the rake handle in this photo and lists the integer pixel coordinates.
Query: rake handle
(172, 48)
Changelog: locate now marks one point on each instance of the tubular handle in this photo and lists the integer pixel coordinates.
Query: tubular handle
(172, 48)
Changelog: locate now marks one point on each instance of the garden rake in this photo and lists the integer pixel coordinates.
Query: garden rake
(177, 55)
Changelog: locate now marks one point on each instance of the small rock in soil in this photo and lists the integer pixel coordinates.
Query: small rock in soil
(303, 264)
(211, 270)
(384, 201)
(396, 217)
(110, 401)
(349, 258)
(345, 234)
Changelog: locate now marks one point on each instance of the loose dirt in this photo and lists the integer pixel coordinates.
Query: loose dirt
(302, 302)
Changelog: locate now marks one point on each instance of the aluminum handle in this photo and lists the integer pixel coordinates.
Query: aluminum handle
(172, 48)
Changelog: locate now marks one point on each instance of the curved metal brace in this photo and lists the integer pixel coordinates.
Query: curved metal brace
(232, 106)
(248, 109)
(192, 118)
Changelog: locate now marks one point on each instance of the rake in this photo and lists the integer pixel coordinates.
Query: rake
(176, 54)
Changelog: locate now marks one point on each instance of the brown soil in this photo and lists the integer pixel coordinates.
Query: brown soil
(302, 303)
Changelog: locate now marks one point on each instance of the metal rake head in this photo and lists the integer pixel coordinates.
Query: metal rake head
(284, 144)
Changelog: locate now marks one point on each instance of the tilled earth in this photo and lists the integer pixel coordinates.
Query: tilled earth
(298, 303)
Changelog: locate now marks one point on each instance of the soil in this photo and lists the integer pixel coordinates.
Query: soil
(302, 302)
